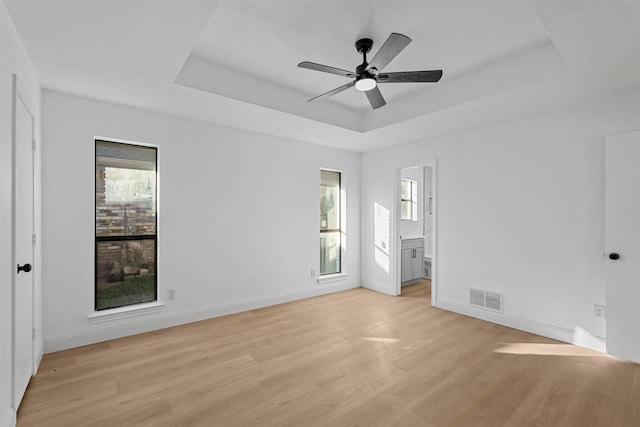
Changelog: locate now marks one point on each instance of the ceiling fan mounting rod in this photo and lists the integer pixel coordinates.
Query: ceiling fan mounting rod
(363, 46)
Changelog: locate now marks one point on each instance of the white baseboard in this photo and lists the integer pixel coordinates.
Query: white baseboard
(578, 337)
(9, 418)
(381, 289)
(39, 352)
(104, 334)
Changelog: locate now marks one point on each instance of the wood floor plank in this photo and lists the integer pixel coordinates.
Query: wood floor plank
(353, 358)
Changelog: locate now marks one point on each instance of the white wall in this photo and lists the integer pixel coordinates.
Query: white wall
(238, 217)
(13, 60)
(520, 212)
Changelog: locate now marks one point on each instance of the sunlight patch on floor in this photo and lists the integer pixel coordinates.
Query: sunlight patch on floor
(382, 340)
(539, 349)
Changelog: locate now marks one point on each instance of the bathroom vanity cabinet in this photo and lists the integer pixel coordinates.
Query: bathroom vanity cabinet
(412, 259)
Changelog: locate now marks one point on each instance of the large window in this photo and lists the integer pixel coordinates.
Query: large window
(330, 227)
(126, 225)
(409, 200)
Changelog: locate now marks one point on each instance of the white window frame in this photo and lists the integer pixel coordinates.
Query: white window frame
(413, 200)
(342, 275)
(138, 309)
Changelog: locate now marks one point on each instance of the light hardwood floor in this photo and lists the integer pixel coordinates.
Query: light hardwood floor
(352, 358)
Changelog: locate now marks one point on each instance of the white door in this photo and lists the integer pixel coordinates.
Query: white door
(23, 248)
(622, 239)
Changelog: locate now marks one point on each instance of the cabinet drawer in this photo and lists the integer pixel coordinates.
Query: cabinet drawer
(412, 243)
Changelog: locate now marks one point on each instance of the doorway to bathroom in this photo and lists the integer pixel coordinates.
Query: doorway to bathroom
(415, 226)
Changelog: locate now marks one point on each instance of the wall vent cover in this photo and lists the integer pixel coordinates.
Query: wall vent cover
(487, 300)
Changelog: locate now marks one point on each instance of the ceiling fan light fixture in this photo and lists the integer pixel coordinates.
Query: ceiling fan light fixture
(367, 75)
(366, 83)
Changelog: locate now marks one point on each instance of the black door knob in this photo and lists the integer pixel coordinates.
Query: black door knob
(26, 268)
(614, 256)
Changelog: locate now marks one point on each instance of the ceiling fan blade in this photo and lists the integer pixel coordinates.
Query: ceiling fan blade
(334, 91)
(326, 69)
(389, 50)
(430, 76)
(375, 98)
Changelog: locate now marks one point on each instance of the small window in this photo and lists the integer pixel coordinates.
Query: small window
(330, 227)
(409, 200)
(126, 225)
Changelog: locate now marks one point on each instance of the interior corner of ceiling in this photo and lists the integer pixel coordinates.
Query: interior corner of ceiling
(536, 7)
(207, 12)
(180, 75)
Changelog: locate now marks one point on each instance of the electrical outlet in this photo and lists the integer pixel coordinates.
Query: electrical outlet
(171, 294)
(598, 310)
(313, 272)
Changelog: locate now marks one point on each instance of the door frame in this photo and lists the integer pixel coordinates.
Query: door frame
(395, 232)
(18, 98)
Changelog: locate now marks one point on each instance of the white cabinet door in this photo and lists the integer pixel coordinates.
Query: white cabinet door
(418, 263)
(412, 264)
(407, 265)
(622, 240)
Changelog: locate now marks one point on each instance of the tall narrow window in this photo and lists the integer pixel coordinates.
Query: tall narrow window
(126, 225)
(330, 227)
(409, 200)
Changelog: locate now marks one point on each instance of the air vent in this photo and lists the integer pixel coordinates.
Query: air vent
(486, 300)
(477, 297)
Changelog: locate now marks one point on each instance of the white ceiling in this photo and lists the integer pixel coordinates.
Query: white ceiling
(234, 63)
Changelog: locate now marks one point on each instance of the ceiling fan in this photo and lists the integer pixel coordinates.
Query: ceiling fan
(369, 74)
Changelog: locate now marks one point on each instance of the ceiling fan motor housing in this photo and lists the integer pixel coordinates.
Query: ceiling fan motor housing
(364, 45)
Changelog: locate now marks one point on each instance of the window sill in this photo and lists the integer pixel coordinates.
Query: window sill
(327, 278)
(125, 312)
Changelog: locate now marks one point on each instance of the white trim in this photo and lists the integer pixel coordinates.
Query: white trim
(328, 278)
(158, 217)
(123, 141)
(538, 328)
(125, 312)
(113, 332)
(396, 246)
(14, 98)
(382, 289)
(343, 224)
(9, 419)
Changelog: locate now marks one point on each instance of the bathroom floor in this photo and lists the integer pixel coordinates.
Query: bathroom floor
(422, 289)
